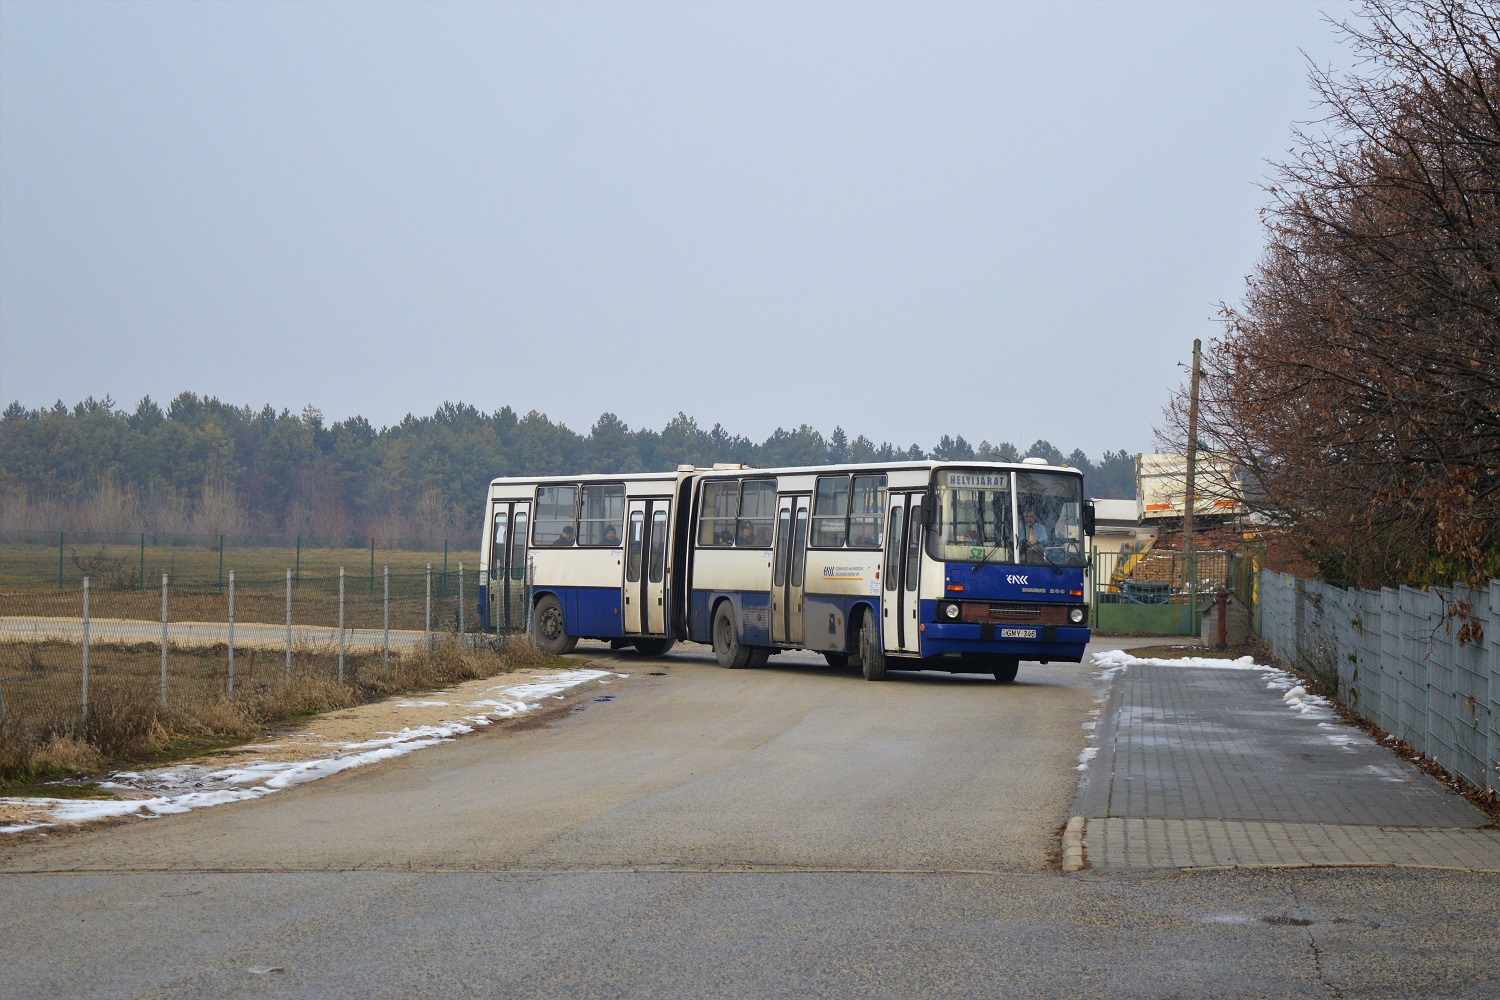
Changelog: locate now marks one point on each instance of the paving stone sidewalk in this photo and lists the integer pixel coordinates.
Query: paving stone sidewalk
(1208, 767)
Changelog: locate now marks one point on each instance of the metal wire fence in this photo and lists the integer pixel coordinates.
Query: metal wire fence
(1396, 659)
(71, 657)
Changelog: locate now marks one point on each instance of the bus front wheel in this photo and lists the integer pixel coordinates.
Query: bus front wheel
(871, 656)
(727, 648)
(551, 635)
(1006, 668)
(654, 647)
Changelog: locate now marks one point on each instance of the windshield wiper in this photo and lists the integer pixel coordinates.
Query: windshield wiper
(986, 557)
(1043, 553)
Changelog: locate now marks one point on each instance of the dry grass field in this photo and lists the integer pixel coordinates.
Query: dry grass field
(44, 732)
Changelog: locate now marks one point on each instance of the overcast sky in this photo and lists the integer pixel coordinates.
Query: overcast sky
(1006, 221)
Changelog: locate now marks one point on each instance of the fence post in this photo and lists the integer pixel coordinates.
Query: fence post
(221, 564)
(164, 640)
(372, 567)
(288, 627)
(231, 633)
(299, 560)
(85, 652)
(427, 627)
(60, 536)
(143, 561)
(1095, 566)
(461, 629)
(385, 649)
(445, 567)
(341, 624)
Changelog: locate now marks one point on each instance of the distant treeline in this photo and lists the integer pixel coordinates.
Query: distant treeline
(206, 467)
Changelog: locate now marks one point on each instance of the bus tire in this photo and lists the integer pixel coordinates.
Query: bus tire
(727, 648)
(871, 656)
(654, 647)
(550, 634)
(1006, 668)
(838, 661)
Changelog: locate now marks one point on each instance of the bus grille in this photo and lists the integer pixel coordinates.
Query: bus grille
(1040, 614)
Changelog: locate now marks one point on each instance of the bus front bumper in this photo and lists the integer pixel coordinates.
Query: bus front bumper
(1030, 642)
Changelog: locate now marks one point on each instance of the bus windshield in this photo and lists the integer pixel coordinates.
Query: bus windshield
(1026, 518)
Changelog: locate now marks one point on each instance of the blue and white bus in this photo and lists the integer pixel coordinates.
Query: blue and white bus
(593, 554)
(964, 567)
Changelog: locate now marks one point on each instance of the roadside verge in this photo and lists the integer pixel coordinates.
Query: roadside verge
(324, 745)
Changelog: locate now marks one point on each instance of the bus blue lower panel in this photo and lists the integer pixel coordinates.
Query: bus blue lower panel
(589, 612)
(825, 617)
(1052, 642)
(752, 611)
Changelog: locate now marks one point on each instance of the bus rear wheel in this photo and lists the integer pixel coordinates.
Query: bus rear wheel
(871, 656)
(1006, 668)
(838, 661)
(727, 648)
(549, 632)
(654, 647)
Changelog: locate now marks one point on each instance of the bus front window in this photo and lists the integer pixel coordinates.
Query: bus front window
(975, 521)
(1050, 529)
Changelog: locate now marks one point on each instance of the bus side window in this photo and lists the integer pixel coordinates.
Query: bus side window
(893, 551)
(783, 546)
(603, 510)
(913, 552)
(757, 509)
(518, 547)
(866, 512)
(658, 546)
(830, 512)
(633, 547)
(497, 550)
(556, 515)
(716, 520)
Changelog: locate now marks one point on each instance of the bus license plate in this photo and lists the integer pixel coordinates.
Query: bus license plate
(1018, 633)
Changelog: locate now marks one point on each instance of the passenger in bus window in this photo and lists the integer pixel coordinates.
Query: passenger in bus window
(763, 534)
(747, 534)
(566, 538)
(611, 536)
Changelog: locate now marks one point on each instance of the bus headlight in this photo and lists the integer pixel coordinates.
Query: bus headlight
(1076, 616)
(950, 610)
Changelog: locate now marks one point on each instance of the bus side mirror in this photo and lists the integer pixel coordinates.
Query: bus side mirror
(1088, 518)
(928, 513)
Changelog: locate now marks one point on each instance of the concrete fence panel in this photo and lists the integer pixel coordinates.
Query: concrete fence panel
(1396, 659)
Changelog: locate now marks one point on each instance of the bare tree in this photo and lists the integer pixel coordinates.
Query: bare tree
(1358, 383)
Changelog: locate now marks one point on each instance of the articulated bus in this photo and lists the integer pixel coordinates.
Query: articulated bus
(964, 567)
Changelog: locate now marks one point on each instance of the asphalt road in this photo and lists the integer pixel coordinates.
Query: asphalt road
(785, 832)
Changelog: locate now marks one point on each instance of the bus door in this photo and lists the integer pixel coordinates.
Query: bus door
(507, 577)
(789, 568)
(645, 588)
(903, 567)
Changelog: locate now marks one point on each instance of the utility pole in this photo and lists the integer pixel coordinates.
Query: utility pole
(1190, 564)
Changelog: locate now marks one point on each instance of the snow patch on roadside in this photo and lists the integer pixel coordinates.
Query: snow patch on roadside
(181, 788)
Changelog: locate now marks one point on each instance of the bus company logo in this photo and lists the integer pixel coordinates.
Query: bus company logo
(1016, 578)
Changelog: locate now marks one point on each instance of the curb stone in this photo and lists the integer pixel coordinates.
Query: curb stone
(1072, 845)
